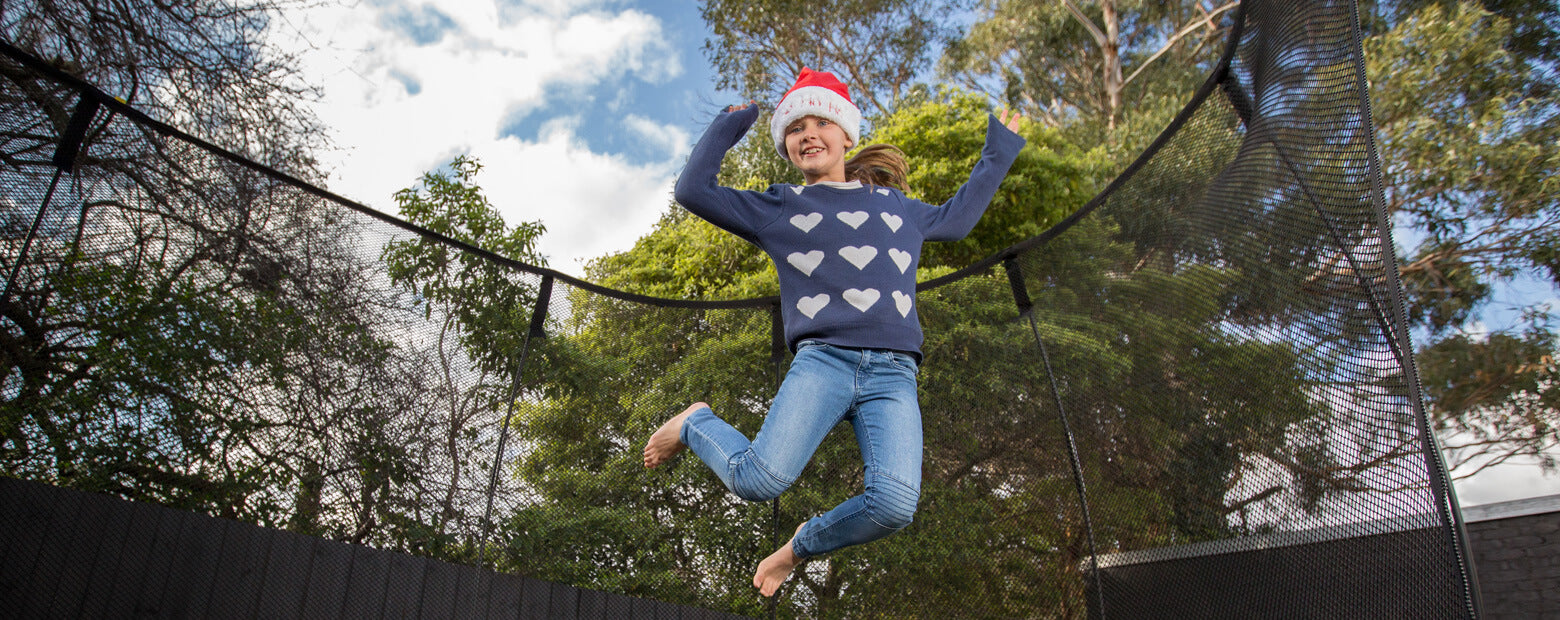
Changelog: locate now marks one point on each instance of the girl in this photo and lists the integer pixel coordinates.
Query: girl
(846, 246)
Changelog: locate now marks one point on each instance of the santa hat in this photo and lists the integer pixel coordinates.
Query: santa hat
(820, 94)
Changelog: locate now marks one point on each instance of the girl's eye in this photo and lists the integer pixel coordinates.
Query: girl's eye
(822, 122)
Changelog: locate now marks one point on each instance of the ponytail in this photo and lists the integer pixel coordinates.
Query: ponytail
(882, 165)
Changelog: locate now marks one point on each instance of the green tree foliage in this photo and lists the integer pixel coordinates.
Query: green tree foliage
(878, 47)
(188, 331)
(1092, 65)
(942, 135)
(1466, 104)
(136, 359)
(187, 347)
(485, 302)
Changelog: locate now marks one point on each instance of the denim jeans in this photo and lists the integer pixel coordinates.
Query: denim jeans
(876, 391)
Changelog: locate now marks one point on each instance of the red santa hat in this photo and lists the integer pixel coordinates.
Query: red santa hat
(820, 94)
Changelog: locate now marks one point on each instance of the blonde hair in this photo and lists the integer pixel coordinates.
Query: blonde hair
(882, 165)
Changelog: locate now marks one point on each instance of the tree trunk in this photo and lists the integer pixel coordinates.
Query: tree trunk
(1110, 49)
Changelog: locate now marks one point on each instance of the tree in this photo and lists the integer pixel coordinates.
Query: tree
(185, 329)
(876, 47)
(202, 65)
(1068, 63)
(479, 312)
(1465, 102)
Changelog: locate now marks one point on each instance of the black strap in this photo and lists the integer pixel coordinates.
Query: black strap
(777, 348)
(539, 311)
(71, 142)
(1015, 274)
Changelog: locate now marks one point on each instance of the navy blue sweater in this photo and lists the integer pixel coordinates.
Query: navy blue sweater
(847, 257)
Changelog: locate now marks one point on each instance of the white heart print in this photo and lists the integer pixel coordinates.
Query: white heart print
(854, 218)
(862, 299)
(797, 189)
(903, 303)
(901, 258)
(893, 221)
(811, 305)
(805, 263)
(883, 191)
(859, 256)
(806, 222)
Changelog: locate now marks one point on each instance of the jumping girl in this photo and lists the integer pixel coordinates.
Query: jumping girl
(846, 245)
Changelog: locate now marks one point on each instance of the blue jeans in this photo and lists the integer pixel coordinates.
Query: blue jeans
(876, 391)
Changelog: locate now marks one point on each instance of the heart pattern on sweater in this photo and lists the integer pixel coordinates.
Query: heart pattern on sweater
(806, 222)
(862, 299)
(859, 256)
(805, 263)
(893, 221)
(903, 302)
(811, 305)
(901, 258)
(854, 218)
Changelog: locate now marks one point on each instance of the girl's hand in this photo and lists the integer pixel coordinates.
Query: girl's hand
(734, 108)
(1010, 119)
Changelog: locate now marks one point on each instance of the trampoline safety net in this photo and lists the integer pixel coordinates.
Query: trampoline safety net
(1195, 397)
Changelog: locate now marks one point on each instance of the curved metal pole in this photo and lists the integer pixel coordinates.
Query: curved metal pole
(538, 317)
(32, 233)
(1026, 309)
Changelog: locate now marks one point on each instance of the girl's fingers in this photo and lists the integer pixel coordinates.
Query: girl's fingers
(1010, 119)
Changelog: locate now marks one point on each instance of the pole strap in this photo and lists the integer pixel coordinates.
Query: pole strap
(539, 311)
(1015, 274)
(73, 139)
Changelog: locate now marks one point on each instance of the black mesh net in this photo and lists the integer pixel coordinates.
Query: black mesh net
(1192, 398)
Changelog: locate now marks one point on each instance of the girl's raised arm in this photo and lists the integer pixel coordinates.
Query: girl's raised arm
(697, 189)
(957, 217)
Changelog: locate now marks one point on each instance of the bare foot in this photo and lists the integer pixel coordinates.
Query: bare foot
(666, 441)
(775, 568)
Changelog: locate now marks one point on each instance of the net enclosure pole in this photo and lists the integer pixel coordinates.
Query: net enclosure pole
(1025, 305)
(777, 349)
(538, 320)
(66, 151)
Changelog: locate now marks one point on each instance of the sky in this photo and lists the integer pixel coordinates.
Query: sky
(581, 112)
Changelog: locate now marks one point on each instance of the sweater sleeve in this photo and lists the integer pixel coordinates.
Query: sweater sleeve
(743, 213)
(957, 217)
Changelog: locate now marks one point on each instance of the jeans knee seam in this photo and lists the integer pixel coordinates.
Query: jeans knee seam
(887, 474)
(868, 514)
(772, 475)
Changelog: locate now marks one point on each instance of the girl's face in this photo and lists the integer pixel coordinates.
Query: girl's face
(817, 147)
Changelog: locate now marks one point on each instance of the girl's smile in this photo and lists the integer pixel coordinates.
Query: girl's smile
(817, 147)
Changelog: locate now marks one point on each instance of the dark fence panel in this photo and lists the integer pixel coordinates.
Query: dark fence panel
(59, 543)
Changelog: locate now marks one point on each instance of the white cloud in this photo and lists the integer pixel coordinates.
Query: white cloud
(591, 203)
(408, 86)
(669, 137)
